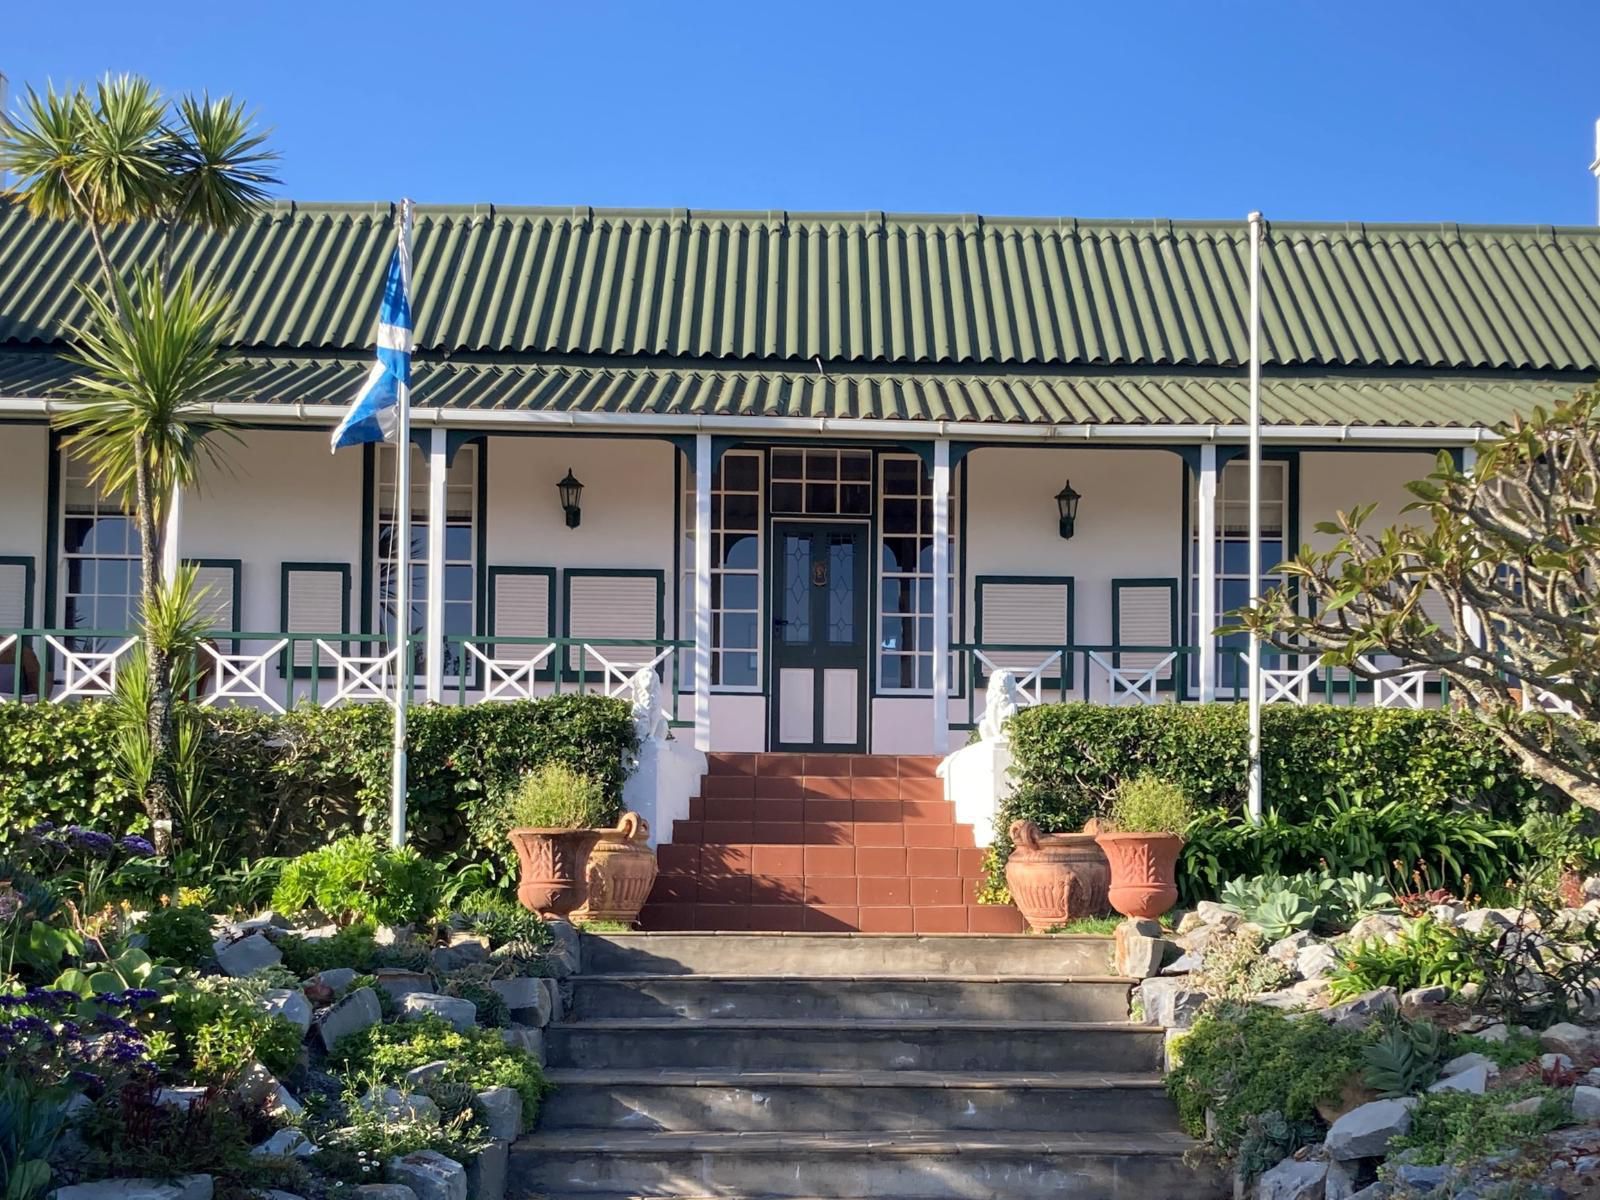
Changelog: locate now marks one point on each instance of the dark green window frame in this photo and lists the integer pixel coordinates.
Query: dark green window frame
(544, 673)
(1063, 681)
(286, 668)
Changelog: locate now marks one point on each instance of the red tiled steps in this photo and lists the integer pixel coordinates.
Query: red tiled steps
(837, 842)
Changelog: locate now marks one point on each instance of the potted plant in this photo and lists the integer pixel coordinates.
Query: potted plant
(557, 815)
(1143, 834)
(622, 870)
(1055, 877)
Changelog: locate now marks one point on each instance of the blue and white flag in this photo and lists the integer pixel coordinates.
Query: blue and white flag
(374, 416)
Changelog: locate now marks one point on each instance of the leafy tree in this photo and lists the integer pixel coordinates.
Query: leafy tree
(150, 349)
(1494, 587)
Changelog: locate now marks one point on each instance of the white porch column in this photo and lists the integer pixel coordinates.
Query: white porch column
(170, 535)
(1471, 621)
(941, 596)
(702, 591)
(1206, 571)
(433, 625)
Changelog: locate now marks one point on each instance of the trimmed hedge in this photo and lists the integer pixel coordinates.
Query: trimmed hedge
(280, 784)
(1358, 788)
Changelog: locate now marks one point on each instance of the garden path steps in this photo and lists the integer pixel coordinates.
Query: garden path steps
(829, 1065)
(827, 842)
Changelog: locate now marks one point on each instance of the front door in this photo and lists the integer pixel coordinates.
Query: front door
(819, 635)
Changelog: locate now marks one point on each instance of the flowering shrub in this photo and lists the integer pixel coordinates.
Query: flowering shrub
(54, 1039)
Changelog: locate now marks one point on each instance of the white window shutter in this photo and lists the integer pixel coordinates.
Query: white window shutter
(1144, 618)
(315, 604)
(612, 606)
(521, 608)
(1031, 613)
(216, 582)
(13, 595)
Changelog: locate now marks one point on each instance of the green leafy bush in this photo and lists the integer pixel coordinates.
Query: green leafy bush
(179, 932)
(1424, 954)
(356, 1152)
(1514, 1051)
(356, 879)
(351, 947)
(1146, 803)
(556, 796)
(1234, 967)
(505, 923)
(220, 1029)
(1461, 1127)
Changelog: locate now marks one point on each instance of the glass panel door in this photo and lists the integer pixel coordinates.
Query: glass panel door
(819, 636)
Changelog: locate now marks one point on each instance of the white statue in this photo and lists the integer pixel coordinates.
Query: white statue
(649, 720)
(1001, 699)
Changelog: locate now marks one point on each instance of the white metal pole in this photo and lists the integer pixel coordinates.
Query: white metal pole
(170, 536)
(402, 515)
(433, 684)
(941, 596)
(702, 591)
(1594, 166)
(1205, 521)
(1255, 511)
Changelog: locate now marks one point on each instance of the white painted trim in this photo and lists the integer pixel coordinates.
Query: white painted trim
(702, 591)
(1205, 521)
(170, 536)
(433, 622)
(941, 596)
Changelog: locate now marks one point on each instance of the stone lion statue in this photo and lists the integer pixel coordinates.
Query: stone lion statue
(1001, 699)
(649, 719)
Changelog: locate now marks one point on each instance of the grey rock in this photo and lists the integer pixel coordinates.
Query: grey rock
(1212, 913)
(394, 1105)
(501, 1110)
(1293, 1180)
(283, 1104)
(1286, 950)
(463, 1014)
(247, 955)
(265, 922)
(1316, 961)
(1566, 1038)
(430, 1175)
(336, 978)
(287, 1143)
(1170, 1002)
(1478, 919)
(183, 1098)
(1137, 955)
(256, 1085)
(357, 1012)
(1286, 999)
(1189, 922)
(1365, 1131)
(1555, 1062)
(1494, 1033)
(486, 1173)
(1313, 991)
(1525, 1108)
(1360, 1011)
(1445, 914)
(1373, 1191)
(1473, 1079)
(425, 1074)
(566, 956)
(400, 983)
(452, 958)
(1591, 887)
(1586, 1103)
(1341, 1181)
(384, 1191)
(291, 1004)
(1422, 1179)
(558, 1002)
(279, 1194)
(529, 1041)
(1376, 927)
(527, 999)
(1592, 1079)
(1182, 965)
(1437, 994)
(186, 1187)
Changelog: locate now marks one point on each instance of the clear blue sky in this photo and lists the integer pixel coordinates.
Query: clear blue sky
(1416, 110)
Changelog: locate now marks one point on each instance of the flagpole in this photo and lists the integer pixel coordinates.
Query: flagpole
(1255, 513)
(402, 625)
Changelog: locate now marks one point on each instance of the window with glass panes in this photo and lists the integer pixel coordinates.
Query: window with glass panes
(736, 543)
(821, 483)
(460, 554)
(1233, 556)
(100, 568)
(905, 576)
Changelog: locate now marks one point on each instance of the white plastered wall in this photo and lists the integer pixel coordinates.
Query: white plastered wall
(24, 500)
(1331, 481)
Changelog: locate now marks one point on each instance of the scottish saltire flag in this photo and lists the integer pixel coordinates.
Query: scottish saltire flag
(374, 416)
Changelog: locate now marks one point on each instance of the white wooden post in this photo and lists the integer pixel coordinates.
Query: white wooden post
(1471, 621)
(1205, 523)
(433, 625)
(941, 595)
(170, 535)
(702, 591)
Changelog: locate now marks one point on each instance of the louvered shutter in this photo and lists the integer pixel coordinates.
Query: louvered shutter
(612, 604)
(1029, 612)
(16, 593)
(218, 583)
(1145, 613)
(521, 604)
(316, 599)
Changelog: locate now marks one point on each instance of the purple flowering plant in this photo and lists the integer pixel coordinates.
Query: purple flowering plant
(51, 1039)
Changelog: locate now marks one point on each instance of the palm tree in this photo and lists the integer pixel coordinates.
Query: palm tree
(150, 361)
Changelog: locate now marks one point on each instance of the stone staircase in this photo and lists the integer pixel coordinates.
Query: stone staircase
(843, 1066)
(826, 842)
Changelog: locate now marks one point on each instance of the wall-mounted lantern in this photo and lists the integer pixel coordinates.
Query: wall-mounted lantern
(1067, 505)
(571, 493)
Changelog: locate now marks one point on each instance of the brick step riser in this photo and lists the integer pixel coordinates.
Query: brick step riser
(1068, 1174)
(796, 918)
(695, 998)
(824, 954)
(803, 1108)
(956, 1048)
(721, 764)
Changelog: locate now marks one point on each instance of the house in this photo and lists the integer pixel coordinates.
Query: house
(856, 436)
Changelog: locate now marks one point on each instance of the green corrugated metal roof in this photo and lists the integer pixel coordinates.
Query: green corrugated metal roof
(871, 287)
(1106, 399)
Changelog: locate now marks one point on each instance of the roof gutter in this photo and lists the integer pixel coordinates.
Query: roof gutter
(326, 416)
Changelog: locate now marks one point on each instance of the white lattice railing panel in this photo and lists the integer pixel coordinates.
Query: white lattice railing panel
(1289, 685)
(88, 672)
(363, 677)
(241, 676)
(1532, 699)
(1135, 685)
(622, 672)
(1030, 685)
(511, 679)
(1397, 691)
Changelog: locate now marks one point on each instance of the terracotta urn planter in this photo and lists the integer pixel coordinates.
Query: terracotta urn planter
(554, 868)
(622, 870)
(1056, 877)
(1144, 871)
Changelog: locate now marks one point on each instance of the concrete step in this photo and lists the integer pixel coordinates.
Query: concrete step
(931, 1166)
(734, 1102)
(805, 954)
(896, 1045)
(735, 997)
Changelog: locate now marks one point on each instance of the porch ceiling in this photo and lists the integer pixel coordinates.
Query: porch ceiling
(1108, 399)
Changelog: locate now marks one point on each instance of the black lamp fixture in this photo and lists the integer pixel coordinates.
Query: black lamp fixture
(1067, 504)
(571, 492)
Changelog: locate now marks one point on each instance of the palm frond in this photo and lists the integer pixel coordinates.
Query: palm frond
(121, 171)
(42, 146)
(217, 163)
